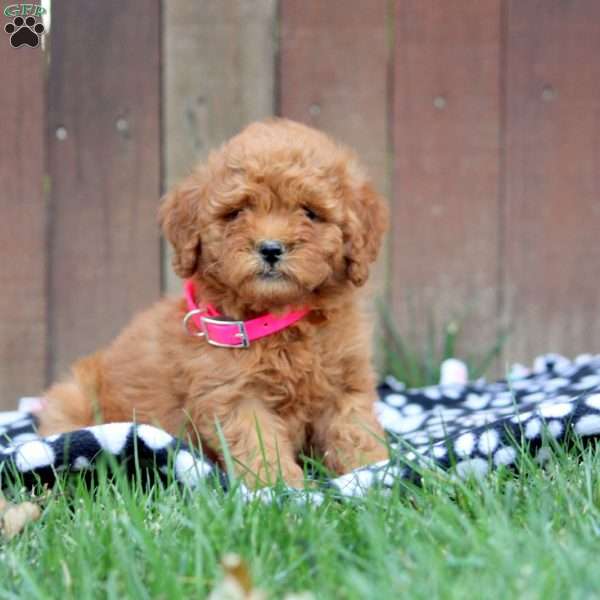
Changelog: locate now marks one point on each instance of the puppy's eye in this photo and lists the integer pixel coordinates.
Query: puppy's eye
(232, 215)
(311, 214)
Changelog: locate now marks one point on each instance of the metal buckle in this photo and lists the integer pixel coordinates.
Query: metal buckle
(242, 334)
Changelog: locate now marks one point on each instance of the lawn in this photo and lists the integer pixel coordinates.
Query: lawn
(534, 533)
(531, 535)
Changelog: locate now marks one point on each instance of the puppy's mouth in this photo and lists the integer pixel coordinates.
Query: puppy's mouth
(271, 274)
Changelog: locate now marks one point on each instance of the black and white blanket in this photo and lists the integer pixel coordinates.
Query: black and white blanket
(467, 428)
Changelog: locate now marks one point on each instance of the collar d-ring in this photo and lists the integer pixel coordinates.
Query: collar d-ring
(186, 322)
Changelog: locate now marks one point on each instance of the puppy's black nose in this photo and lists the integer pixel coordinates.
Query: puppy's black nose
(271, 251)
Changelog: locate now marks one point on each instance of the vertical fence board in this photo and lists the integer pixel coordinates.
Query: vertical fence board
(219, 71)
(553, 177)
(22, 224)
(104, 165)
(453, 240)
(333, 75)
(447, 89)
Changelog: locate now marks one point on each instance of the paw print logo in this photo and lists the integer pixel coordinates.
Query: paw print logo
(24, 32)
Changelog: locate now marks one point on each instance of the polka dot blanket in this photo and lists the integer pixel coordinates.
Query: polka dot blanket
(466, 428)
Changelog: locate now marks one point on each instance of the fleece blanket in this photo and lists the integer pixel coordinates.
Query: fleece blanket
(466, 428)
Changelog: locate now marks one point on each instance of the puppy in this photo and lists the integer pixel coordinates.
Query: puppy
(277, 230)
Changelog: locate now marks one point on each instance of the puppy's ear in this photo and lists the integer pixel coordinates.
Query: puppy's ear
(366, 222)
(178, 217)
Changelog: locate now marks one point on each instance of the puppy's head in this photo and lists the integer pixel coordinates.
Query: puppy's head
(280, 215)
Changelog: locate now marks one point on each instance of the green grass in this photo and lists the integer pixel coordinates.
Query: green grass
(535, 534)
(532, 535)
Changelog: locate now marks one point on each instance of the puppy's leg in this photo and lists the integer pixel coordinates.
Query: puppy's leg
(73, 403)
(259, 443)
(350, 436)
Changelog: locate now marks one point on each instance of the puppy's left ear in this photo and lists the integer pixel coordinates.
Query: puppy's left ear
(178, 217)
(366, 223)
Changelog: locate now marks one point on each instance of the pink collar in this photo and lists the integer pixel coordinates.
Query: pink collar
(220, 331)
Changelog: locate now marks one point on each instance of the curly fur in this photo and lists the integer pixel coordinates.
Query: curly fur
(309, 388)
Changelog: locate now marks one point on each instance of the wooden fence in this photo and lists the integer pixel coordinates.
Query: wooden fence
(479, 120)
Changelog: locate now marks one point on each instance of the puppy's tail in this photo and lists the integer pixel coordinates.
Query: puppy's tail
(75, 402)
(88, 374)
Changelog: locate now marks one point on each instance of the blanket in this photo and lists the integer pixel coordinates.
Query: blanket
(464, 428)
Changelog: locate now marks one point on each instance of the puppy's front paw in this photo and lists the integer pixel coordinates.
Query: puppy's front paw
(356, 448)
(341, 462)
(260, 474)
(293, 476)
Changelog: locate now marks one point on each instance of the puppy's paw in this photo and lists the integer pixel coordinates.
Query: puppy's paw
(294, 477)
(260, 475)
(342, 459)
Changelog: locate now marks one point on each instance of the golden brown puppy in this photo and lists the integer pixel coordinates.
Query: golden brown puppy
(280, 218)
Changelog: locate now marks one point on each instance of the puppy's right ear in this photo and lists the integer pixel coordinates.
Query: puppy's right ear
(178, 217)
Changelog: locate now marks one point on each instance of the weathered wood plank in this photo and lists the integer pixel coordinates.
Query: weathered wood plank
(447, 119)
(333, 75)
(219, 71)
(22, 224)
(104, 165)
(553, 177)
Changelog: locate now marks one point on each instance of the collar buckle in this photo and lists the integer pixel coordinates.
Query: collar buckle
(209, 322)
